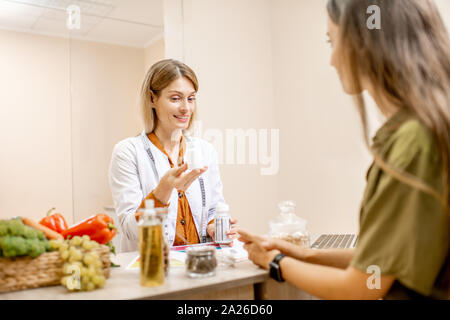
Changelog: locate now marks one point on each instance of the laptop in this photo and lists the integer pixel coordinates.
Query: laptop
(334, 241)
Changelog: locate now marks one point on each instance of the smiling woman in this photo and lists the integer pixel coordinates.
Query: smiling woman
(169, 107)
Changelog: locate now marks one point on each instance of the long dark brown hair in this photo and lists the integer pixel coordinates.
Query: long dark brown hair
(408, 63)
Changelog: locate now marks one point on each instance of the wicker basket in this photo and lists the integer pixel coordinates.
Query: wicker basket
(45, 270)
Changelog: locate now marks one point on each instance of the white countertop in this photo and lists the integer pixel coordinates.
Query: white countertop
(124, 284)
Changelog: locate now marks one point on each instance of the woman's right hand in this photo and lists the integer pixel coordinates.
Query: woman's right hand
(176, 178)
(289, 249)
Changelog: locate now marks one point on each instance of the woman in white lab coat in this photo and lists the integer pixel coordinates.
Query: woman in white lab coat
(151, 165)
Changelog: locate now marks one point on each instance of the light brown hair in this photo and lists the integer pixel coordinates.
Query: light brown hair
(408, 63)
(158, 77)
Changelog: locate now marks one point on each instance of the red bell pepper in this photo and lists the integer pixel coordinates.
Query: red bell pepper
(99, 228)
(55, 221)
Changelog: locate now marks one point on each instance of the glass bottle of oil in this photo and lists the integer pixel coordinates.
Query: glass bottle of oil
(151, 247)
(161, 213)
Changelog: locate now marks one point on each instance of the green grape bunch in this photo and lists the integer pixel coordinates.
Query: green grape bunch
(82, 269)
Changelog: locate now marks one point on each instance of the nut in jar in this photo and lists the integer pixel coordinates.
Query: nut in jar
(298, 238)
(288, 226)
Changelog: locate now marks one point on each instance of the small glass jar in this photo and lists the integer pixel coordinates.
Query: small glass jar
(201, 261)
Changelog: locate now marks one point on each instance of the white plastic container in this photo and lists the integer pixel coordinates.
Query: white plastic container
(222, 223)
(193, 156)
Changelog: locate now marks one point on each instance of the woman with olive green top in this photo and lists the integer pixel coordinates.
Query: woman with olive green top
(403, 244)
(401, 226)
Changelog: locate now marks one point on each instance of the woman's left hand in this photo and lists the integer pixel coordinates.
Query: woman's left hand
(257, 253)
(232, 233)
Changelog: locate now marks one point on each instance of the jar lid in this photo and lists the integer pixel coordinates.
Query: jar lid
(201, 250)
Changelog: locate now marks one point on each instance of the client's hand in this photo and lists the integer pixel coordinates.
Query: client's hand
(257, 253)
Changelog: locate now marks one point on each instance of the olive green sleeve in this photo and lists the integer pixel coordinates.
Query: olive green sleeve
(404, 231)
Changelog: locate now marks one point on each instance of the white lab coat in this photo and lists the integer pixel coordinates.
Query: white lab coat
(131, 179)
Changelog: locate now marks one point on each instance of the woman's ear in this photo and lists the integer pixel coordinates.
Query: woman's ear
(152, 99)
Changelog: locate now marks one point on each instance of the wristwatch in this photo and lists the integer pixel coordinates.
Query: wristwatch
(275, 271)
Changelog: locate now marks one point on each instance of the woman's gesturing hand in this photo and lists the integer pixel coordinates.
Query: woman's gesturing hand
(179, 179)
(176, 178)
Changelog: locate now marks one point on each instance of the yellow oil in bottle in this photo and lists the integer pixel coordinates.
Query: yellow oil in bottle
(152, 255)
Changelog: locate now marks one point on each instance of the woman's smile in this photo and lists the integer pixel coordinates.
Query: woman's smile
(182, 119)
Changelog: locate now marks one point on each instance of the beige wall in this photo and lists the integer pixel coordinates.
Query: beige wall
(444, 8)
(323, 159)
(105, 83)
(267, 70)
(35, 161)
(154, 52)
(57, 143)
(227, 43)
(265, 64)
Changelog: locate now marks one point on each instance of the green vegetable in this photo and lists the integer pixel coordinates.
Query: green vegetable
(36, 248)
(15, 227)
(14, 246)
(3, 228)
(17, 239)
(112, 248)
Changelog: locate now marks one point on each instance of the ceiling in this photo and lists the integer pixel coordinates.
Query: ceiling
(135, 23)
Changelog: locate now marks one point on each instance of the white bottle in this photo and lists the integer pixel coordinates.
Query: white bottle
(222, 223)
(193, 156)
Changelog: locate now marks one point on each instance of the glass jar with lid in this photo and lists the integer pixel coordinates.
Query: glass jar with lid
(201, 261)
(288, 226)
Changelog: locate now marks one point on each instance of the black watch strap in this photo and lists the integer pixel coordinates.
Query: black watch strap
(278, 257)
(275, 271)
